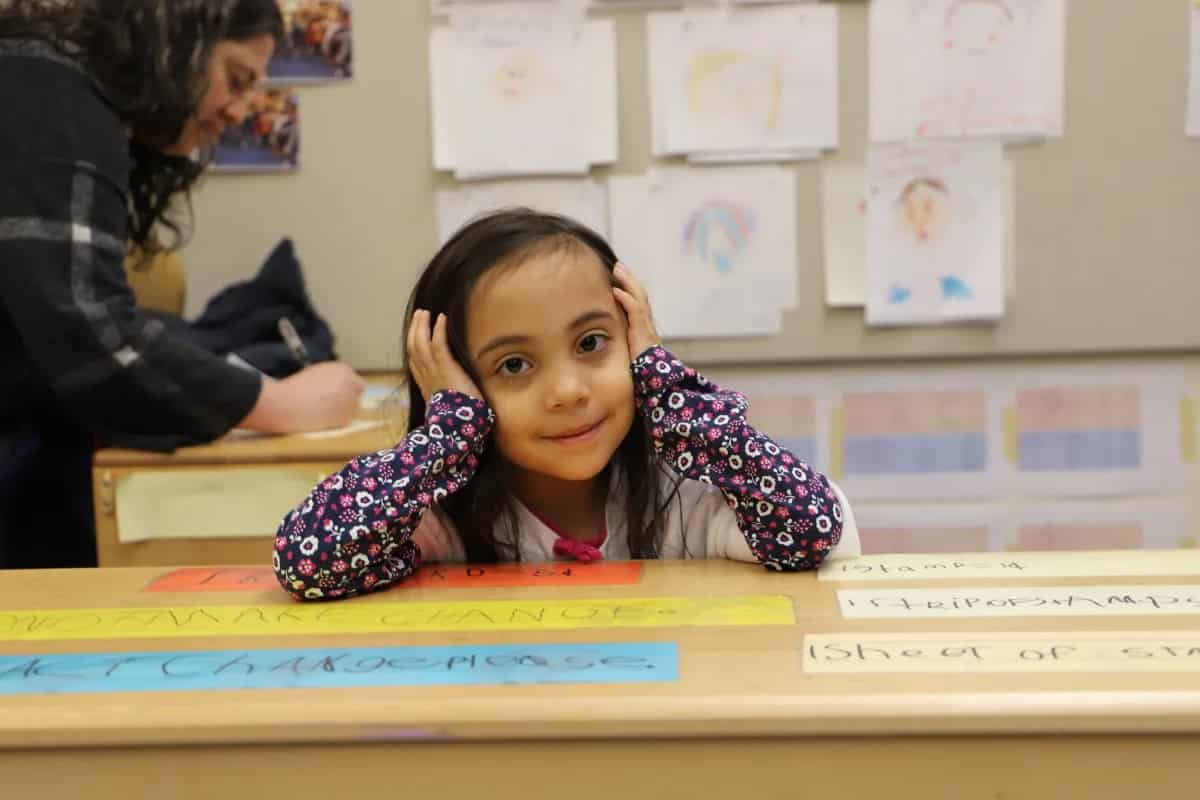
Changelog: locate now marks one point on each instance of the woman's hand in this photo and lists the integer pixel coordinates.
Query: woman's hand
(634, 300)
(430, 362)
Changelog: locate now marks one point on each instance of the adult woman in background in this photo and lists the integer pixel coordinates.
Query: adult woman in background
(105, 102)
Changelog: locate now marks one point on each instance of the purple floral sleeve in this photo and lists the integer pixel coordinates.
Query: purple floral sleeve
(787, 511)
(353, 533)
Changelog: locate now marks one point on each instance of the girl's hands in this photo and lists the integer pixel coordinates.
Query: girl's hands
(634, 300)
(430, 362)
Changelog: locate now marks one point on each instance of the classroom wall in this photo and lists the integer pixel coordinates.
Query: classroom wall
(361, 214)
(1104, 218)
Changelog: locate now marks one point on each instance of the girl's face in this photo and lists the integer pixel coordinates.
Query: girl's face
(923, 211)
(234, 68)
(549, 345)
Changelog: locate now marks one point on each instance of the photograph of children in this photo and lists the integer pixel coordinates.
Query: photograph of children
(317, 43)
(268, 140)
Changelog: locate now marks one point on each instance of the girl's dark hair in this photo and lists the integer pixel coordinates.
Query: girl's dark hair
(502, 239)
(149, 59)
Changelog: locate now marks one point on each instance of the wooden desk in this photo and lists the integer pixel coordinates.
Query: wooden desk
(217, 488)
(743, 720)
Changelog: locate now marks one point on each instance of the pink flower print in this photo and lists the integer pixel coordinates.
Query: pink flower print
(339, 566)
(369, 484)
(370, 580)
(306, 566)
(280, 543)
(374, 550)
(468, 430)
(345, 501)
(406, 458)
(713, 434)
(686, 413)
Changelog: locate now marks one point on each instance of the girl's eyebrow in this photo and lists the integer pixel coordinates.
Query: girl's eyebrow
(511, 339)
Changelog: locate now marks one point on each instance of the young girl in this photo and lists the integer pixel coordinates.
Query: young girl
(546, 421)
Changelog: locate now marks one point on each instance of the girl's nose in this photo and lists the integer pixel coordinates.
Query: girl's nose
(567, 389)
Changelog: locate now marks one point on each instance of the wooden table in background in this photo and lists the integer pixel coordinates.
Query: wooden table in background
(744, 720)
(252, 459)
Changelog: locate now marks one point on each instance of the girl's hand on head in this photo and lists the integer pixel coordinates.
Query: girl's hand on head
(430, 362)
(634, 300)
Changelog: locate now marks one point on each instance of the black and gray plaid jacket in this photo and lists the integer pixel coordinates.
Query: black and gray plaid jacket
(71, 339)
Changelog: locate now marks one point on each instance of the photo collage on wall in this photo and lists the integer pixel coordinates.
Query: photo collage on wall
(317, 47)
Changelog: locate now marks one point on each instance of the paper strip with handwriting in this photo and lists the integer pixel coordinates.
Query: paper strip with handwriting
(1019, 601)
(380, 617)
(430, 576)
(983, 566)
(1072, 651)
(323, 668)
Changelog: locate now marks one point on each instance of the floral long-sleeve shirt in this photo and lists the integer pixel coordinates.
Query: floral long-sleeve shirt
(743, 496)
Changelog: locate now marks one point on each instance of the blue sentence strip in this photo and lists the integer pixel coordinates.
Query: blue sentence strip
(177, 671)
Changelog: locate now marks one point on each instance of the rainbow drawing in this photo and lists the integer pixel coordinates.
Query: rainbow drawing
(1079, 428)
(717, 232)
(790, 420)
(914, 433)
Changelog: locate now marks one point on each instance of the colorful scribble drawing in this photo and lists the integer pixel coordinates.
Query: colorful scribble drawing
(718, 233)
(724, 85)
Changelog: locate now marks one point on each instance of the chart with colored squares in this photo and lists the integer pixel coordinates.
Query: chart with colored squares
(1084, 432)
(915, 442)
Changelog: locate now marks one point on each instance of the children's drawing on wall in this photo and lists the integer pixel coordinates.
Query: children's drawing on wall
(936, 223)
(318, 42)
(754, 80)
(717, 234)
(515, 78)
(953, 68)
(716, 245)
(521, 78)
(268, 138)
(518, 91)
(737, 86)
(978, 26)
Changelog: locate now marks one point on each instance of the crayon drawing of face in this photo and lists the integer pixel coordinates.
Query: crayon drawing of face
(717, 233)
(924, 206)
(518, 78)
(977, 26)
(725, 85)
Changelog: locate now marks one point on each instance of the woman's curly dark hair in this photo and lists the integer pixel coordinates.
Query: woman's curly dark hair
(149, 59)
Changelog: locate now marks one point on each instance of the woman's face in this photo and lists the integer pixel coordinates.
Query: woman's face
(235, 66)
